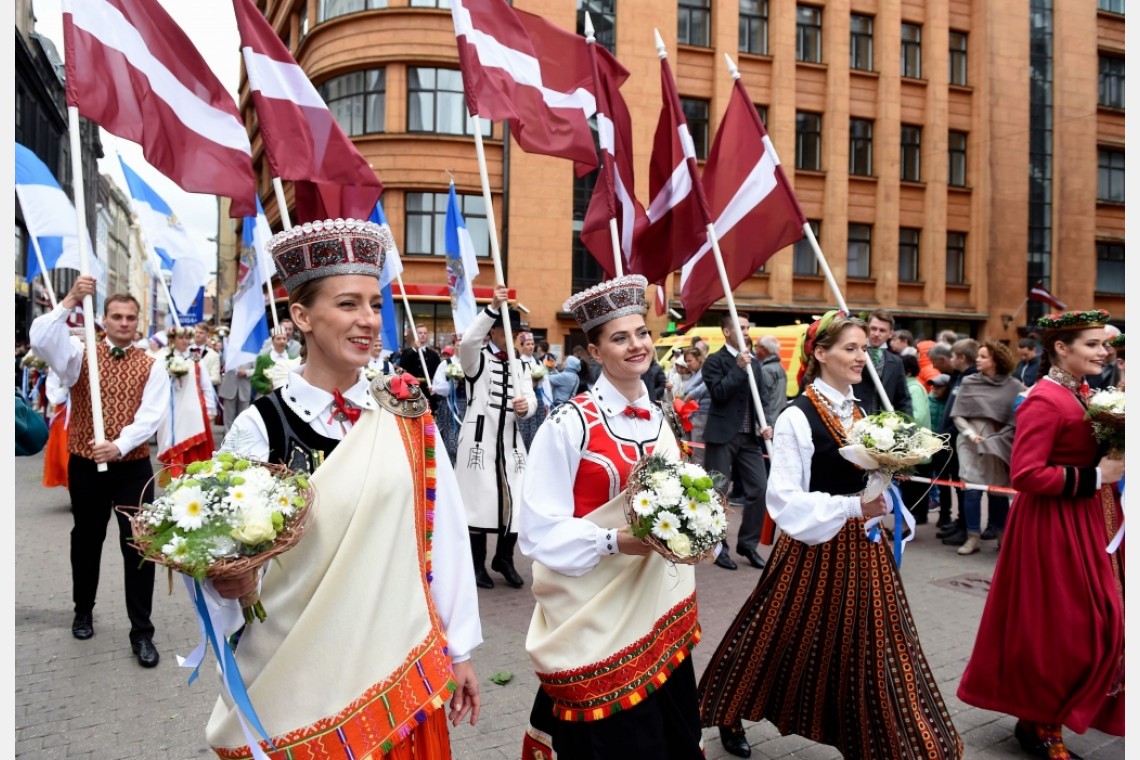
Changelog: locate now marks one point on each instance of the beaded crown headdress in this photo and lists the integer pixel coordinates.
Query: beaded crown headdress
(608, 300)
(330, 247)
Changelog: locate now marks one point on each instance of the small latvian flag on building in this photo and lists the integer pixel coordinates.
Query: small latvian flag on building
(1037, 292)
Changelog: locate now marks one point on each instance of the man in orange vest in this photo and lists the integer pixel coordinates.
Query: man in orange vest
(134, 390)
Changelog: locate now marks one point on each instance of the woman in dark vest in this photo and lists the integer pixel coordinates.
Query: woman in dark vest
(825, 647)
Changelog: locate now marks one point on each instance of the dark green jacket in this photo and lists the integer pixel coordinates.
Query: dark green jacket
(31, 430)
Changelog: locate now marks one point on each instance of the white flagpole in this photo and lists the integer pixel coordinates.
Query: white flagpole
(614, 238)
(153, 255)
(44, 272)
(415, 334)
(495, 255)
(85, 269)
(279, 191)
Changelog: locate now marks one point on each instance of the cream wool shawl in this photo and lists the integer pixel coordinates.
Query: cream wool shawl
(353, 648)
(603, 641)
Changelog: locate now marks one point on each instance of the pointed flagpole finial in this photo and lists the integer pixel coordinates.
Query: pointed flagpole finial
(732, 70)
(450, 175)
(589, 26)
(660, 45)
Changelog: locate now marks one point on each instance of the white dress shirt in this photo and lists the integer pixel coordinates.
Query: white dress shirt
(440, 382)
(204, 382)
(52, 341)
(548, 530)
(812, 517)
(452, 589)
(529, 363)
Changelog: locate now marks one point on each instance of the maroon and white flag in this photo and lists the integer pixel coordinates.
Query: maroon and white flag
(134, 72)
(756, 213)
(302, 139)
(1038, 292)
(677, 213)
(613, 196)
(521, 68)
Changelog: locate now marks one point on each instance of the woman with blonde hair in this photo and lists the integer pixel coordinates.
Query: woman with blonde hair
(983, 414)
(826, 647)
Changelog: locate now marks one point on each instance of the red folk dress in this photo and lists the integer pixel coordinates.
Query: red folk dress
(1050, 647)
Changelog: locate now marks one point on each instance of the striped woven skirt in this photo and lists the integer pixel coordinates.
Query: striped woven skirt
(826, 648)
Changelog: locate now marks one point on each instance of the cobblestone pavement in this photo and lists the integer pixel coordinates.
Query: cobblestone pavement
(91, 700)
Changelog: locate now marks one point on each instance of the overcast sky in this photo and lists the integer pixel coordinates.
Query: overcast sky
(210, 25)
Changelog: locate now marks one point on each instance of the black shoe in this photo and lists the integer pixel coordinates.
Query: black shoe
(81, 627)
(989, 534)
(725, 561)
(950, 529)
(735, 742)
(506, 568)
(955, 539)
(750, 554)
(944, 523)
(145, 651)
(482, 580)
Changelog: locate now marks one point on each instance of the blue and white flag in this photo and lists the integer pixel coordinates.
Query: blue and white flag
(50, 218)
(392, 267)
(462, 267)
(249, 326)
(189, 266)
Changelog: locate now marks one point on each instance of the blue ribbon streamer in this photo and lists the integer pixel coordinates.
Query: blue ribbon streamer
(225, 655)
(900, 522)
(453, 402)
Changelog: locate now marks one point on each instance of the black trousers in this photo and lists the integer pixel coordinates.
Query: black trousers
(504, 547)
(944, 465)
(665, 726)
(93, 496)
(746, 452)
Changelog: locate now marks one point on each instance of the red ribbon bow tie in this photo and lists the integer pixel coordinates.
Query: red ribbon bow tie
(1085, 391)
(501, 355)
(342, 408)
(633, 411)
(399, 385)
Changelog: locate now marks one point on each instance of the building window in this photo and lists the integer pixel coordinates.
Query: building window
(859, 250)
(333, 8)
(803, 255)
(912, 51)
(809, 138)
(754, 26)
(861, 134)
(958, 58)
(910, 164)
(426, 218)
(585, 271)
(603, 14)
(1111, 81)
(809, 34)
(955, 258)
(436, 103)
(357, 101)
(1110, 268)
(1113, 6)
(1110, 178)
(693, 22)
(697, 115)
(303, 21)
(445, 4)
(908, 254)
(956, 147)
(762, 112)
(862, 42)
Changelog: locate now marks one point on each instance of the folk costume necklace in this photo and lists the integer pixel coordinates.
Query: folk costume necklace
(836, 421)
(1066, 379)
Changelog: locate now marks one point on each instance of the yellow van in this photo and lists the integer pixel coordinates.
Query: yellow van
(788, 335)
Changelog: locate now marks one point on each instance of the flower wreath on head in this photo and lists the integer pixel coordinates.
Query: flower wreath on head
(808, 338)
(1116, 342)
(1074, 320)
(179, 332)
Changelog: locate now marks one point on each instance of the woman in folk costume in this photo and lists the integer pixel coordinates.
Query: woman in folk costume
(450, 387)
(1050, 646)
(55, 452)
(614, 622)
(373, 614)
(825, 647)
(536, 370)
(490, 458)
(185, 434)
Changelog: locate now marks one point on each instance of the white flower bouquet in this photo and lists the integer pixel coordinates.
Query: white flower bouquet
(223, 518)
(1106, 411)
(31, 361)
(177, 366)
(454, 371)
(371, 373)
(676, 507)
(537, 372)
(887, 443)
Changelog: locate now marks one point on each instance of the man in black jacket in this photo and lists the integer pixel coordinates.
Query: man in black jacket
(1030, 364)
(888, 365)
(732, 436)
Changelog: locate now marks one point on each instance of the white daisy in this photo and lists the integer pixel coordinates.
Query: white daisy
(717, 525)
(690, 510)
(177, 548)
(238, 496)
(189, 508)
(666, 525)
(645, 503)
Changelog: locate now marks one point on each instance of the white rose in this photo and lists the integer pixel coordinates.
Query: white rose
(891, 423)
(883, 439)
(256, 528)
(680, 545)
